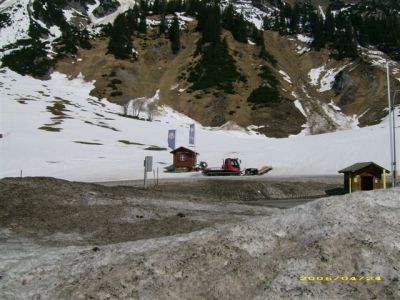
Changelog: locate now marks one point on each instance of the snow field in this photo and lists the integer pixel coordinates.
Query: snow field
(87, 146)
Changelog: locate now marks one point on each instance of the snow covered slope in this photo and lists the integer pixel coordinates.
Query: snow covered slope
(308, 78)
(55, 128)
(18, 26)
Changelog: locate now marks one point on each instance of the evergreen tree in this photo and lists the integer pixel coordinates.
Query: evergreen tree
(295, 19)
(156, 7)
(267, 94)
(163, 7)
(142, 28)
(132, 16)
(144, 6)
(120, 43)
(345, 42)
(192, 7)
(264, 54)
(313, 22)
(357, 24)
(163, 25)
(36, 31)
(174, 36)
(269, 23)
(69, 41)
(228, 17)
(31, 59)
(174, 6)
(318, 34)
(256, 35)
(336, 4)
(237, 24)
(280, 24)
(329, 26)
(216, 68)
(5, 20)
(50, 12)
(84, 39)
(351, 46)
(263, 51)
(209, 22)
(239, 29)
(391, 39)
(363, 37)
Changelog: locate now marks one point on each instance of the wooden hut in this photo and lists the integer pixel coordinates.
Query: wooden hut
(184, 159)
(365, 176)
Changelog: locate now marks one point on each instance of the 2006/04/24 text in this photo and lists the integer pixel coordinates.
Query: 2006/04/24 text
(340, 278)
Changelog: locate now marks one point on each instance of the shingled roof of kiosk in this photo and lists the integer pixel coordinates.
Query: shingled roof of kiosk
(359, 166)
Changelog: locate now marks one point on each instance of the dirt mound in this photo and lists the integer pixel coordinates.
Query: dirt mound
(60, 212)
(261, 257)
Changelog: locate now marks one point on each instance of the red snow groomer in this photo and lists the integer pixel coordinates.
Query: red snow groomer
(230, 167)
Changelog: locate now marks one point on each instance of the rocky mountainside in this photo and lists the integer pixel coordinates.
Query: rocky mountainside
(282, 67)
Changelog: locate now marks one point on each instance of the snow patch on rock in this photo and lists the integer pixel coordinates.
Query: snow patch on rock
(324, 78)
(301, 50)
(328, 79)
(299, 106)
(251, 13)
(305, 39)
(315, 74)
(285, 76)
(342, 121)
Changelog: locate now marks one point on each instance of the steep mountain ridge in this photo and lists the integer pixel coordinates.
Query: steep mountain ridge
(317, 93)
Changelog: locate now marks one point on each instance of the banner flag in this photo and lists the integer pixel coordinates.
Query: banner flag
(171, 138)
(191, 135)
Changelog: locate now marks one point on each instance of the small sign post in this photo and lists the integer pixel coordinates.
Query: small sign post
(148, 167)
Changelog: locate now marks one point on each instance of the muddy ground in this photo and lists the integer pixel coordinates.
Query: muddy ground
(196, 239)
(242, 189)
(72, 213)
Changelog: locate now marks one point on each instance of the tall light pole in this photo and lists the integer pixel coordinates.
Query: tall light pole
(391, 129)
(394, 138)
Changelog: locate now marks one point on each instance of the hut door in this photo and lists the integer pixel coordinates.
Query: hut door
(367, 183)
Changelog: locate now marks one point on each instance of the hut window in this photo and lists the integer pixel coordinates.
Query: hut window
(182, 157)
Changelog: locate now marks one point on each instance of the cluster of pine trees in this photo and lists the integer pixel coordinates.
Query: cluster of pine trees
(31, 57)
(51, 13)
(342, 30)
(267, 94)
(5, 20)
(217, 67)
(134, 20)
(208, 13)
(120, 43)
